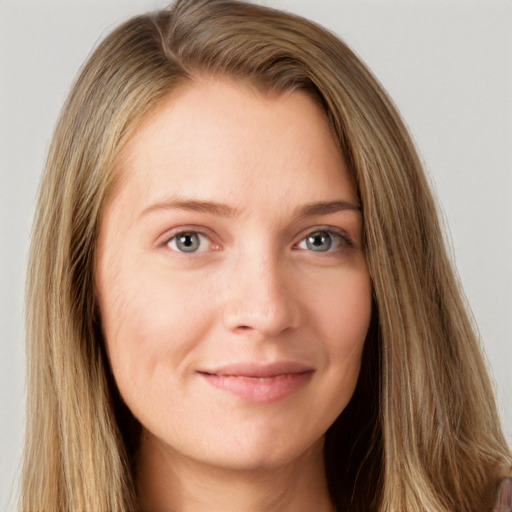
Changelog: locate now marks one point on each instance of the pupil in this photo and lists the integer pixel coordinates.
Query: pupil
(319, 241)
(188, 242)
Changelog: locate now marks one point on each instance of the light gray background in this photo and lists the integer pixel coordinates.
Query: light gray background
(447, 64)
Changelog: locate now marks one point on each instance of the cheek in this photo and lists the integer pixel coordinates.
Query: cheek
(150, 325)
(344, 309)
(344, 313)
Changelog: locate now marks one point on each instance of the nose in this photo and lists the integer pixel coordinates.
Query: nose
(260, 298)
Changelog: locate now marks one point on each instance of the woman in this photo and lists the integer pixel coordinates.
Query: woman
(238, 277)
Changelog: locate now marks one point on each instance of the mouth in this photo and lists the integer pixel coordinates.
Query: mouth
(260, 383)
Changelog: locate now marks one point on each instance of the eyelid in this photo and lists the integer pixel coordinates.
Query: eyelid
(169, 235)
(346, 239)
(174, 241)
(164, 240)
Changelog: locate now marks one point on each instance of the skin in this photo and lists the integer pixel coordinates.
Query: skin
(242, 169)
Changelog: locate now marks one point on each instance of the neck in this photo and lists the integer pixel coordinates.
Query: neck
(168, 482)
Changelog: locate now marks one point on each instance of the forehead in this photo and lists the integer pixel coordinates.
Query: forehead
(218, 139)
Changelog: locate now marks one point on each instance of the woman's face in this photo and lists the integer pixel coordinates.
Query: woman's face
(232, 285)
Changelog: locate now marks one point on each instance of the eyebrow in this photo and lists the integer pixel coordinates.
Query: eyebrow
(324, 208)
(224, 210)
(176, 203)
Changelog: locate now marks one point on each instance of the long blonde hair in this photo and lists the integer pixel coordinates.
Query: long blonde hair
(421, 432)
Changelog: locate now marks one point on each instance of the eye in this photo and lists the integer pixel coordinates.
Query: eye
(188, 241)
(322, 241)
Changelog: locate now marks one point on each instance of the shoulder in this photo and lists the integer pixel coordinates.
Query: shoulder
(503, 501)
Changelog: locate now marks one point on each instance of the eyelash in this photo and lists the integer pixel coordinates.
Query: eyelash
(338, 237)
(187, 232)
(342, 240)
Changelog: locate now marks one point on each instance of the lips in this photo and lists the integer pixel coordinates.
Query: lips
(261, 383)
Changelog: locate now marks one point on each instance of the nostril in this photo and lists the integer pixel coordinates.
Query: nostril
(254, 314)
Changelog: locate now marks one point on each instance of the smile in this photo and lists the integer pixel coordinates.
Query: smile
(259, 383)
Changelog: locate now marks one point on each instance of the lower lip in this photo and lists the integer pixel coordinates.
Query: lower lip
(261, 390)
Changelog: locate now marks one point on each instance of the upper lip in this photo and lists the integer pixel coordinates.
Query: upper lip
(259, 370)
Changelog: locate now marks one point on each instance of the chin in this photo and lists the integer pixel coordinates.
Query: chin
(261, 454)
